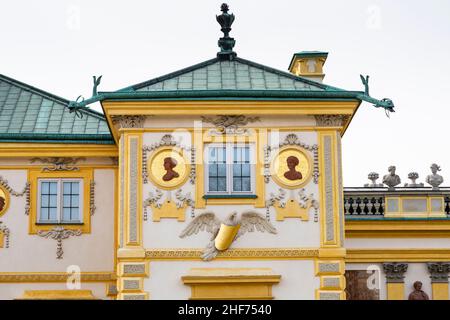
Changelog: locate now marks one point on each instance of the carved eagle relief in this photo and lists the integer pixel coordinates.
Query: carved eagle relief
(224, 233)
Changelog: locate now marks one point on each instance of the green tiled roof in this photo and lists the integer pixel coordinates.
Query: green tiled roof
(28, 113)
(238, 74)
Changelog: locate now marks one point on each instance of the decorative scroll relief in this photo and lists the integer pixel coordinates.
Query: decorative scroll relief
(6, 190)
(59, 163)
(169, 141)
(395, 272)
(59, 234)
(439, 271)
(327, 120)
(4, 236)
(230, 124)
(286, 174)
(298, 205)
(168, 208)
(134, 121)
(92, 206)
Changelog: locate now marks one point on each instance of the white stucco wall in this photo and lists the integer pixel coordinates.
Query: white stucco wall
(32, 253)
(291, 232)
(297, 277)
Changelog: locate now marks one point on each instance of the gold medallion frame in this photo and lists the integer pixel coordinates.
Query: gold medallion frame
(156, 175)
(7, 199)
(275, 172)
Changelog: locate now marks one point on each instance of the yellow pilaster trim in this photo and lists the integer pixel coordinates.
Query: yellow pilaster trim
(330, 190)
(132, 193)
(332, 280)
(439, 291)
(395, 291)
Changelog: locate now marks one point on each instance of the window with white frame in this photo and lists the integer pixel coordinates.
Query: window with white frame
(60, 201)
(230, 168)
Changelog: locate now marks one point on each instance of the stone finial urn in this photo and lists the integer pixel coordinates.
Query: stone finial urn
(373, 176)
(413, 176)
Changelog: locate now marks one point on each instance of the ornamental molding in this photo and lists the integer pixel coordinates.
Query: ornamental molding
(25, 191)
(292, 140)
(55, 277)
(5, 231)
(59, 234)
(326, 120)
(305, 203)
(92, 206)
(241, 253)
(128, 122)
(439, 271)
(167, 140)
(232, 124)
(162, 206)
(395, 272)
(59, 163)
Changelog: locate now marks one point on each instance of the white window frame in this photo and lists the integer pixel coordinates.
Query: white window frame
(59, 201)
(229, 168)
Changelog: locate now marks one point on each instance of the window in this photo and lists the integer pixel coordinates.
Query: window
(230, 169)
(60, 201)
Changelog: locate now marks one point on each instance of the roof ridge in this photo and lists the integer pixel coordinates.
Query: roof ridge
(51, 96)
(170, 75)
(287, 74)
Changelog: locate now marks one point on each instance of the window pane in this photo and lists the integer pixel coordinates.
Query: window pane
(222, 170)
(66, 214)
(75, 188)
(75, 214)
(44, 187)
(75, 203)
(222, 184)
(44, 214)
(212, 170)
(53, 187)
(246, 170)
(236, 170)
(52, 213)
(212, 184)
(237, 183)
(52, 202)
(44, 201)
(246, 185)
(67, 187)
(66, 201)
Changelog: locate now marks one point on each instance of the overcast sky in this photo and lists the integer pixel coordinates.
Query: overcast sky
(404, 46)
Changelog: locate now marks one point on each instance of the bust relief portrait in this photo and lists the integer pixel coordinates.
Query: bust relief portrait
(169, 165)
(292, 174)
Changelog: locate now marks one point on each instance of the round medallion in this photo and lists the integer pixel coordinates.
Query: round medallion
(4, 200)
(168, 168)
(291, 167)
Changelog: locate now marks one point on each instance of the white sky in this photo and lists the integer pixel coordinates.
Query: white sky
(404, 46)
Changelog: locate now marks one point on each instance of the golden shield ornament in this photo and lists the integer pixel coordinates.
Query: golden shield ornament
(292, 167)
(4, 200)
(225, 236)
(168, 168)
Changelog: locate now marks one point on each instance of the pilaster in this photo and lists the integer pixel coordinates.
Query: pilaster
(439, 279)
(395, 280)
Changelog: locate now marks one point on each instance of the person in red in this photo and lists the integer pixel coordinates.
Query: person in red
(292, 174)
(418, 293)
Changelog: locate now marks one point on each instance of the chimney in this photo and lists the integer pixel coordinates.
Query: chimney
(309, 64)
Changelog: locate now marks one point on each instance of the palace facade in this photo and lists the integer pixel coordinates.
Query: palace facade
(222, 180)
